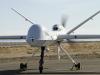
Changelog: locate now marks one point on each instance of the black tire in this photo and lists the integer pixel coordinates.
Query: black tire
(77, 66)
(41, 69)
(23, 66)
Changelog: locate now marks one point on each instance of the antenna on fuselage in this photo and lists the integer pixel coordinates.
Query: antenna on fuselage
(22, 16)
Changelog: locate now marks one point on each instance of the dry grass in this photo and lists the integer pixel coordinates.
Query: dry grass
(26, 50)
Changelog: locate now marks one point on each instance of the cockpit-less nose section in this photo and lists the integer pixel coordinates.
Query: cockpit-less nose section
(35, 35)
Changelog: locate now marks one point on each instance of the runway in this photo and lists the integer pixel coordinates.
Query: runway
(51, 66)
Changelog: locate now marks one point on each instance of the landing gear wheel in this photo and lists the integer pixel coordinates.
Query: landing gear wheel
(76, 66)
(41, 69)
(23, 67)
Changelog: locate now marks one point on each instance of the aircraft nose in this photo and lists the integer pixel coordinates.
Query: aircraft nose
(35, 32)
(35, 36)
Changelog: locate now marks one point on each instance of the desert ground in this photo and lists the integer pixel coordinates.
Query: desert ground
(14, 50)
(12, 54)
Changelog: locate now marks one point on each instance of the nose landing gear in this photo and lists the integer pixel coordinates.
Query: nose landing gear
(41, 62)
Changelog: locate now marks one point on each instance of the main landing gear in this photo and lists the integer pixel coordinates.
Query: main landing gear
(41, 62)
(75, 65)
(23, 66)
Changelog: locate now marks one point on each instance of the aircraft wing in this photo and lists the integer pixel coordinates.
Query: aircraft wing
(79, 38)
(12, 37)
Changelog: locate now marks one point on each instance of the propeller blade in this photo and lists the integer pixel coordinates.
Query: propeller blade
(64, 20)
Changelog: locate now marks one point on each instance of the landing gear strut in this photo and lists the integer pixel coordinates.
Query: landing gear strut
(75, 65)
(41, 62)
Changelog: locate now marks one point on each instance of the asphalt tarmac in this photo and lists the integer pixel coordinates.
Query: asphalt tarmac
(89, 66)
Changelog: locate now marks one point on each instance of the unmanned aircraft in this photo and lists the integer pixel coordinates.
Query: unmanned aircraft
(38, 36)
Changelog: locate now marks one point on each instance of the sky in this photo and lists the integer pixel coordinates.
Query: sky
(47, 13)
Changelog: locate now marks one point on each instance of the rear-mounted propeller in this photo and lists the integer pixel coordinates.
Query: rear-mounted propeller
(64, 20)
